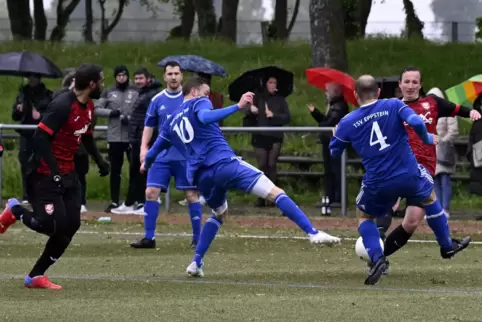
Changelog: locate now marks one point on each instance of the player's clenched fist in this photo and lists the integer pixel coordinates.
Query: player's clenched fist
(474, 115)
(436, 139)
(246, 99)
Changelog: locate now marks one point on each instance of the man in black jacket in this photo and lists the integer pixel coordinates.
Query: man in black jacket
(31, 102)
(337, 109)
(148, 88)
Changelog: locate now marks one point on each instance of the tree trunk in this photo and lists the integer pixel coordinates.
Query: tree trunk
(296, 9)
(229, 20)
(40, 20)
(206, 18)
(281, 20)
(413, 24)
(364, 8)
(89, 22)
(188, 14)
(20, 20)
(107, 28)
(328, 45)
(63, 16)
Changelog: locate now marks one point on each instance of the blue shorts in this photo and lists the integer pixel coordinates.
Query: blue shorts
(159, 175)
(233, 174)
(377, 200)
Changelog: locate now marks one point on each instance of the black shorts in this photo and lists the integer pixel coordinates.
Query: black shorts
(58, 207)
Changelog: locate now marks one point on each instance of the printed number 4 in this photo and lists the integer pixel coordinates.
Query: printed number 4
(376, 133)
(184, 130)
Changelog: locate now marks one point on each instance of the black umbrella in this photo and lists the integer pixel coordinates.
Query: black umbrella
(25, 64)
(256, 79)
(387, 85)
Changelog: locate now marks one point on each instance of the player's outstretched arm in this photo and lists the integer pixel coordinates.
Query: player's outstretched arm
(416, 122)
(162, 143)
(207, 115)
(340, 140)
(449, 109)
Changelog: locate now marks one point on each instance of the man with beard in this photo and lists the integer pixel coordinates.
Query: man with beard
(148, 88)
(116, 104)
(52, 181)
(169, 164)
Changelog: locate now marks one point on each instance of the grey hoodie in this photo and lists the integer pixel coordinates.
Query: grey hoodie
(117, 99)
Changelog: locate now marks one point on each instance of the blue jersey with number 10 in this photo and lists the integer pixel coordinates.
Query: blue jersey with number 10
(377, 133)
(203, 144)
(161, 108)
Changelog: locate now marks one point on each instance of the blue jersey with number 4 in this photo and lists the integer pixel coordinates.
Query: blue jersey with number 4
(377, 133)
(161, 108)
(203, 144)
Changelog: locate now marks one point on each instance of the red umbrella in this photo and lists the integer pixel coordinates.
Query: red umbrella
(320, 77)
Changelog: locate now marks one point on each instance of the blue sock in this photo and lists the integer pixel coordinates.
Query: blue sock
(209, 231)
(294, 213)
(371, 239)
(437, 221)
(196, 214)
(151, 209)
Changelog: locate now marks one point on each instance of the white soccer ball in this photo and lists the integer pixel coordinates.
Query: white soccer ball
(361, 252)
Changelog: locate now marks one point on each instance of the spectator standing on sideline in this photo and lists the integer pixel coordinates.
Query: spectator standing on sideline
(148, 87)
(30, 103)
(447, 130)
(337, 108)
(81, 157)
(116, 104)
(269, 109)
(474, 153)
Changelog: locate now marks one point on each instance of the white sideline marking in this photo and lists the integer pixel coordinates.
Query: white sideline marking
(247, 283)
(234, 235)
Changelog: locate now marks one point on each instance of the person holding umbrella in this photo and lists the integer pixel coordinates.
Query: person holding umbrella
(271, 86)
(31, 101)
(337, 86)
(269, 109)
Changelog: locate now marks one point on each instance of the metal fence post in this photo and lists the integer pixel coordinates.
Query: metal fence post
(167, 199)
(344, 185)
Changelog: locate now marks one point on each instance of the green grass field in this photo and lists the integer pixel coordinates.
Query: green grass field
(247, 279)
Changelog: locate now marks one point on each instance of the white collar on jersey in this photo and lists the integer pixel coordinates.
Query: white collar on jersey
(368, 104)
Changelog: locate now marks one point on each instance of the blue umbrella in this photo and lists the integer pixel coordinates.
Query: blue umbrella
(196, 64)
(26, 63)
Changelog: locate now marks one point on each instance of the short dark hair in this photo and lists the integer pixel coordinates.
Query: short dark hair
(142, 71)
(366, 87)
(172, 63)
(411, 69)
(85, 74)
(193, 82)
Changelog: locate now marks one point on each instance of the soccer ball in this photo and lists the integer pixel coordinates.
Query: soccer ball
(361, 252)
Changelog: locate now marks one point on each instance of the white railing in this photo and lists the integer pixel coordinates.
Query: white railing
(103, 128)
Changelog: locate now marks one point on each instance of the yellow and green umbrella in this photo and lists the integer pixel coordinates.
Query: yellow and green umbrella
(465, 93)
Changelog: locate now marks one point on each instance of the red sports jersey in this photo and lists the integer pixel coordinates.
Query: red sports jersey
(431, 108)
(66, 120)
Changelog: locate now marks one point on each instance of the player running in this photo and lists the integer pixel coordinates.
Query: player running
(170, 163)
(214, 168)
(429, 108)
(377, 133)
(53, 185)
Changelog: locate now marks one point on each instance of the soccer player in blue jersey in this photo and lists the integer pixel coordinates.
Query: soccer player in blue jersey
(169, 163)
(377, 133)
(214, 168)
